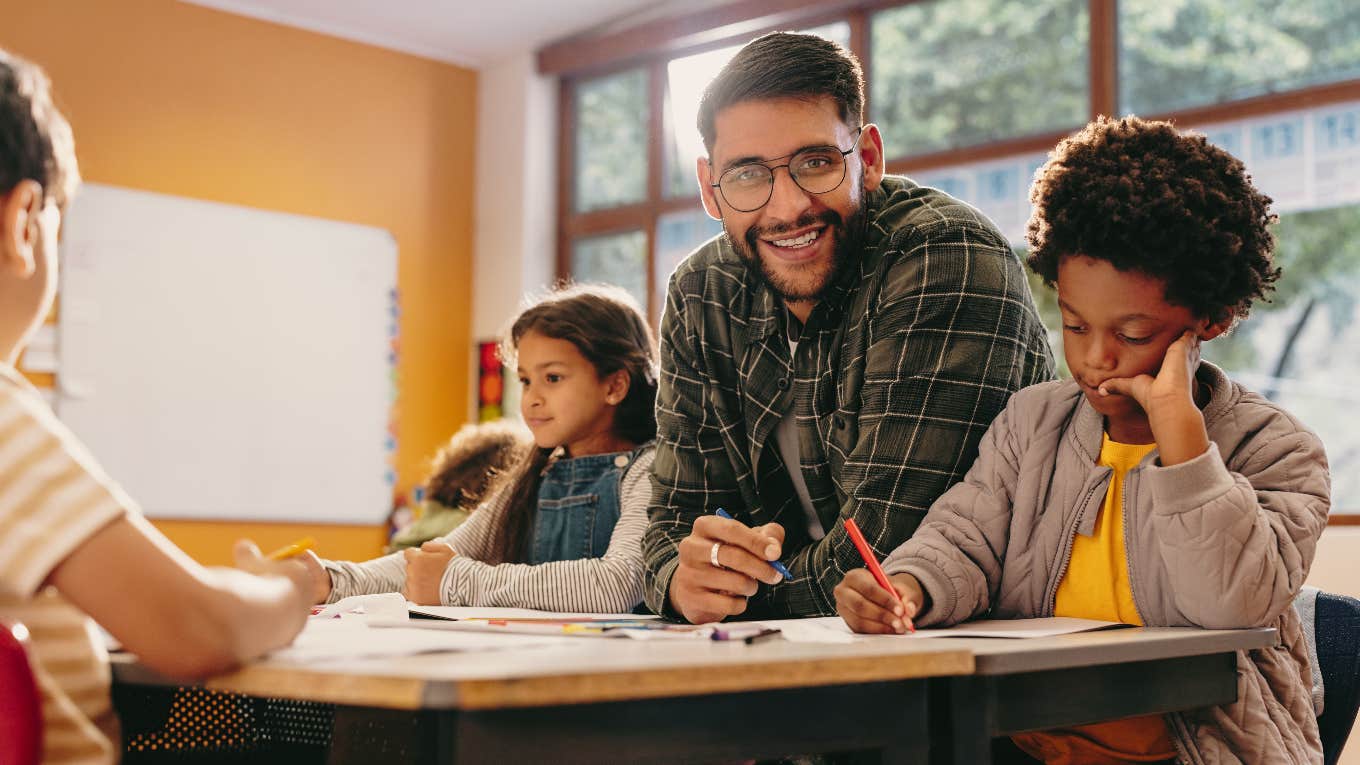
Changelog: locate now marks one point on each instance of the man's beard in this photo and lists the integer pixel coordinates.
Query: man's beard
(844, 250)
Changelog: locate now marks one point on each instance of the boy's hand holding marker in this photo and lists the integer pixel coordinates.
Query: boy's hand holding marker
(721, 564)
(867, 607)
(425, 570)
(869, 601)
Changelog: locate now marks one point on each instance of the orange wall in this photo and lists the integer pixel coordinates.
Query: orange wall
(178, 99)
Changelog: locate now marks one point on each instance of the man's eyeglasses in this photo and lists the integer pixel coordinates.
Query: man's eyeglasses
(816, 170)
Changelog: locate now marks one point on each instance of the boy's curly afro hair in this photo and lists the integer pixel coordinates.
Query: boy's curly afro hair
(1148, 198)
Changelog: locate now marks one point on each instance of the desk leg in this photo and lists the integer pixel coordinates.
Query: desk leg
(962, 733)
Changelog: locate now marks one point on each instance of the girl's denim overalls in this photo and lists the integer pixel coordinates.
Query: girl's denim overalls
(578, 505)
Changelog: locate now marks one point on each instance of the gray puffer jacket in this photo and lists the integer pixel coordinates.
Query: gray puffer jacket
(1222, 541)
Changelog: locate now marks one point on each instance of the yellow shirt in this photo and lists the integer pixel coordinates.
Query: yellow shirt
(1096, 586)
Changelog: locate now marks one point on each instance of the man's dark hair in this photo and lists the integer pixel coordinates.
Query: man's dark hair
(1148, 198)
(35, 140)
(785, 65)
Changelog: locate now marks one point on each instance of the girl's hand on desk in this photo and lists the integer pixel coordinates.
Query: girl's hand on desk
(867, 607)
(425, 570)
(319, 576)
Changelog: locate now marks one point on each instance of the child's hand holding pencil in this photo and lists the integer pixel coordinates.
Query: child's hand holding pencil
(870, 601)
(280, 563)
(866, 607)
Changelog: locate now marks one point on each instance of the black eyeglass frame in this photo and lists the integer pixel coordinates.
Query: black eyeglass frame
(859, 133)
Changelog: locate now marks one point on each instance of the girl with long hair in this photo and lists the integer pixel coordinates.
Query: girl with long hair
(566, 533)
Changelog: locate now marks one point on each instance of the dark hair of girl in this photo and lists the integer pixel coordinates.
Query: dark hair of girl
(607, 327)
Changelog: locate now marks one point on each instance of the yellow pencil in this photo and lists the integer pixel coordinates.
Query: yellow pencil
(293, 550)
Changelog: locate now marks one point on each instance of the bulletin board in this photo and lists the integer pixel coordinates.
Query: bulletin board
(229, 363)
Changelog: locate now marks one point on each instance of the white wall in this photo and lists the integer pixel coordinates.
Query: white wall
(515, 208)
(1336, 567)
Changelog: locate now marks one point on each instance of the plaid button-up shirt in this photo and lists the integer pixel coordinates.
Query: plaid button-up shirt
(898, 372)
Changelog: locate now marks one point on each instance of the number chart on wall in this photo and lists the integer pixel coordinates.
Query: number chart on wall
(229, 363)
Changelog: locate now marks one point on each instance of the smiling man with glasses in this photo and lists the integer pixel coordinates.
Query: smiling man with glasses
(836, 353)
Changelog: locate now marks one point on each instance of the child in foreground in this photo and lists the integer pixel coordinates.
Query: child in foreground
(1149, 489)
(72, 544)
(566, 533)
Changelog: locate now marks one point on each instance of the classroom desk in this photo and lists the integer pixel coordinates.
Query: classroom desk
(616, 700)
(915, 701)
(1020, 685)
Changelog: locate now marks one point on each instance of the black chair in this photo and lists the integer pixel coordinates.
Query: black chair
(1337, 625)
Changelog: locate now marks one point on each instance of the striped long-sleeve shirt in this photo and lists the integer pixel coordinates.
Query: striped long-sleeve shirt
(611, 583)
(899, 370)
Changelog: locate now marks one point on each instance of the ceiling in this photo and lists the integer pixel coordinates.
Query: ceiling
(473, 33)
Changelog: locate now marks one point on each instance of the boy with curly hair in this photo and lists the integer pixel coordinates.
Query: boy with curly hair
(1150, 488)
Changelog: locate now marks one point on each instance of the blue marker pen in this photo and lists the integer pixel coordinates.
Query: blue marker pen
(774, 564)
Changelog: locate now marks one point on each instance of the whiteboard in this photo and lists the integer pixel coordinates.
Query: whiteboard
(229, 363)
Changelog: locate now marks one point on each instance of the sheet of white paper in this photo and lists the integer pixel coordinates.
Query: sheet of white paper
(327, 640)
(389, 606)
(833, 629)
(824, 629)
(1020, 628)
(467, 612)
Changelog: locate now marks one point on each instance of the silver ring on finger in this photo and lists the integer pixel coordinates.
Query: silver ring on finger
(713, 555)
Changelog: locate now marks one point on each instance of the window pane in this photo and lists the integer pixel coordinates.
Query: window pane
(618, 259)
(686, 79)
(1175, 54)
(1291, 349)
(611, 141)
(966, 72)
(677, 235)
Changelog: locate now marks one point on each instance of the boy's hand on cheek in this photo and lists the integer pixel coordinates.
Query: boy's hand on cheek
(425, 570)
(1169, 401)
(868, 608)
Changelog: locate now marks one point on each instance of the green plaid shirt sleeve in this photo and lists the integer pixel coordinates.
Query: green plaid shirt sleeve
(895, 381)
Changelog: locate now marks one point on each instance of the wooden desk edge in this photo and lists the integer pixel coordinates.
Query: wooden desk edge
(597, 687)
(1048, 657)
(383, 691)
(395, 692)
